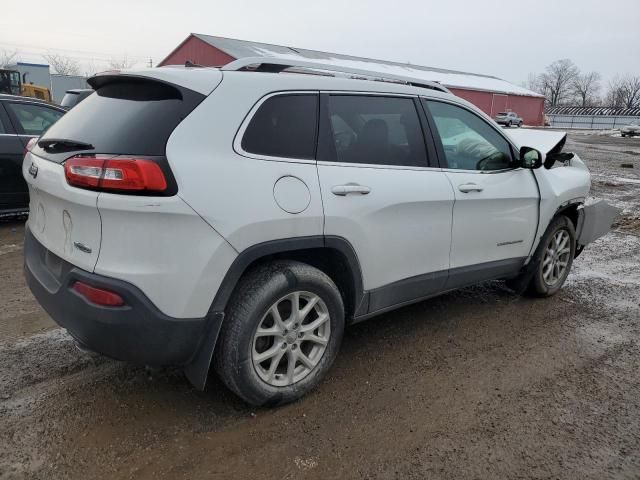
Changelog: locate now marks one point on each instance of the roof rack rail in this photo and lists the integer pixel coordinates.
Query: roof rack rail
(277, 65)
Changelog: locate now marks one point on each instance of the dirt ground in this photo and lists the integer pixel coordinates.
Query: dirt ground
(478, 383)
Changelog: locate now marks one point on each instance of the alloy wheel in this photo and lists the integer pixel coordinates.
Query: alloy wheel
(556, 258)
(291, 339)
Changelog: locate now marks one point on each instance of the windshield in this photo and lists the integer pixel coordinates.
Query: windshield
(10, 82)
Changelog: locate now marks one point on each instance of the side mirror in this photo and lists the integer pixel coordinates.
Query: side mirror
(530, 158)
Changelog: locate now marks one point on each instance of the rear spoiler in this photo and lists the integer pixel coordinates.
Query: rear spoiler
(200, 80)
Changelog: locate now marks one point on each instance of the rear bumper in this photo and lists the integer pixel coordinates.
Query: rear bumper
(137, 332)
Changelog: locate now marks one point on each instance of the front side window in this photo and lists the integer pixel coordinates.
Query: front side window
(469, 142)
(376, 130)
(33, 119)
(284, 126)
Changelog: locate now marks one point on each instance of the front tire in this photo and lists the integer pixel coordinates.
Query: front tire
(554, 258)
(283, 331)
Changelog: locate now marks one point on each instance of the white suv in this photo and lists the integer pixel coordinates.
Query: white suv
(241, 217)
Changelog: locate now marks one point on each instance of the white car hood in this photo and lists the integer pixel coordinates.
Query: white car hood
(543, 140)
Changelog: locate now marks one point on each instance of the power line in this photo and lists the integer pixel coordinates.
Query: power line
(73, 53)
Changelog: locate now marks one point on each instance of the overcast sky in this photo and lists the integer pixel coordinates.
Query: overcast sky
(508, 39)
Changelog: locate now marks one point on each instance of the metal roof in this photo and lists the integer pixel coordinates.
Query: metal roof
(450, 78)
(619, 112)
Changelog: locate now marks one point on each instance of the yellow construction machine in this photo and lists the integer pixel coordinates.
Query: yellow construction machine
(12, 84)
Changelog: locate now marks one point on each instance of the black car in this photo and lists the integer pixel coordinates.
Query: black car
(21, 119)
(73, 97)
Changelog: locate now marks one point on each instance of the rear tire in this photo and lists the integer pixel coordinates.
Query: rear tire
(508, 125)
(263, 334)
(554, 257)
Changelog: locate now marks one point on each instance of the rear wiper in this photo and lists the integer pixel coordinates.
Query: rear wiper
(59, 145)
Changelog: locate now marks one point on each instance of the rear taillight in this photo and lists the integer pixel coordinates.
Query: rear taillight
(99, 296)
(121, 174)
(30, 144)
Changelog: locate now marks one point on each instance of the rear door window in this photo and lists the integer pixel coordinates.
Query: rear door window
(33, 119)
(371, 129)
(284, 126)
(125, 117)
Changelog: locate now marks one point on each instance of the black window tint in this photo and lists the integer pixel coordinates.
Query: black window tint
(469, 142)
(126, 117)
(33, 119)
(284, 126)
(376, 130)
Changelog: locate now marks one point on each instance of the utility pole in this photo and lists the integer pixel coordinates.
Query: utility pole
(150, 62)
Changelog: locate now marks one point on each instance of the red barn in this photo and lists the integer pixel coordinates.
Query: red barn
(491, 94)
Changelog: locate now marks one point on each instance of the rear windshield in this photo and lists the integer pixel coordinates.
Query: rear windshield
(503, 114)
(128, 116)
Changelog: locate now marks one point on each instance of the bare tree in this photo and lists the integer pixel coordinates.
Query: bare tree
(613, 97)
(535, 83)
(623, 92)
(630, 91)
(557, 81)
(586, 88)
(91, 68)
(121, 63)
(8, 57)
(63, 65)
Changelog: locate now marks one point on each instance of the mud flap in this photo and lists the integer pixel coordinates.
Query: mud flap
(597, 219)
(197, 371)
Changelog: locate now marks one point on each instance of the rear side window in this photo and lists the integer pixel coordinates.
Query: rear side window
(33, 119)
(376, 130)
(126, 117)
(284, 126)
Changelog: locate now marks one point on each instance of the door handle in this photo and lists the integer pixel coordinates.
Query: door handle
(344, 190)
(470, 187)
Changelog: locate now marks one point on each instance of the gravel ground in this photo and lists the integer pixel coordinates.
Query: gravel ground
(478, 383)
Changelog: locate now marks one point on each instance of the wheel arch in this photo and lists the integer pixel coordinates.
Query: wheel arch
(333, 255)
(571, 210)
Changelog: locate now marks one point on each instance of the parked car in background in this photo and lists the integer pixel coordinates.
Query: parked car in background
(630, 130)
(508, 119)
(75, 96)
(21, 119)
(244, 217)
